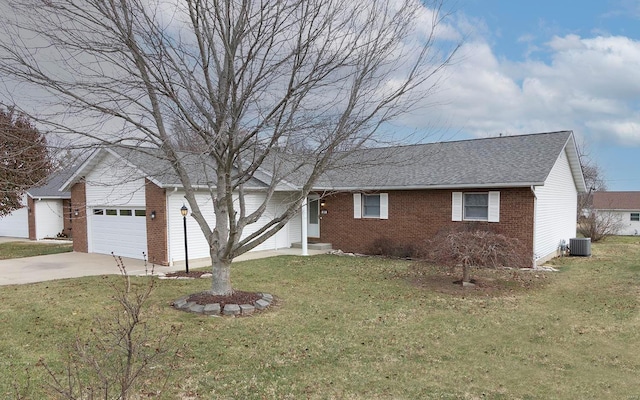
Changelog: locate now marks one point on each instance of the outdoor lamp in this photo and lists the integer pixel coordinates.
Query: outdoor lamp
(184, 210)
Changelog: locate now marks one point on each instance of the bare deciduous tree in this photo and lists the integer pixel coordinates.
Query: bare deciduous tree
(593, 179)
(599, 225)
(253, 83)
(24, 159)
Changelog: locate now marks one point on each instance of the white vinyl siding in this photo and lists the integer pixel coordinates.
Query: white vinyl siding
(294, 229)
(629, 225)
(49, 218)
(555, 214)
(197, 243)
(112, 183)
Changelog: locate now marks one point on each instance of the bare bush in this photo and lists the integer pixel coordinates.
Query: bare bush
(122, 357)
(475, 248)
(599, 225)
(385, 246)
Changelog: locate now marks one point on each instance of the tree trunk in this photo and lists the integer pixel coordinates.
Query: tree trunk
(465, 273)
(221, 282)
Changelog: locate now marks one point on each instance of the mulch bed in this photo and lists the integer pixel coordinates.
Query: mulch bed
(204, 298)
(238, 297)
(488, 282)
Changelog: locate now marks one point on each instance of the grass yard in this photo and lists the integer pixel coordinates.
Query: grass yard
(10, 250)
(367, 328)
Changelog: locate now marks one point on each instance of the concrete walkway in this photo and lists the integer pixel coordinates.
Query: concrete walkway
(74, 265)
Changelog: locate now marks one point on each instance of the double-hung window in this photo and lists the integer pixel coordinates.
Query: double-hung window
(475, 206)
(371, 206)
(374, 206)
(635, 216)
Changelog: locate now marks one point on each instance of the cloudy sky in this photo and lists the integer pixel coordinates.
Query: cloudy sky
(546, 66)
(540, 66)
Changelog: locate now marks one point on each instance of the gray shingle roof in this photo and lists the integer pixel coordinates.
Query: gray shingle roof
(509, 161)
(154, 166)
(51, 189)
(522, 160)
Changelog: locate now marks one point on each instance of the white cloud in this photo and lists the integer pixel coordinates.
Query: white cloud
(590, 85)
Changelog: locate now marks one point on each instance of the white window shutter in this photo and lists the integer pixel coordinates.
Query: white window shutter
(494, 206)
(384, 205)
(357, 205)
(456, 206)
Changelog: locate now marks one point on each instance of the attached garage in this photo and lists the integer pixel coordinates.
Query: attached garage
(15, 224)
(122, 231)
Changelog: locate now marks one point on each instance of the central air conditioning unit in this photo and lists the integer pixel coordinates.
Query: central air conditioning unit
(580, 247)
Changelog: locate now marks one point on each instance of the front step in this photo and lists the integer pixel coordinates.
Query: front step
(312, 246)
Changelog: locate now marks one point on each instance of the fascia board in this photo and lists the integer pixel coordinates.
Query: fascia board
(132, 165)
(574, 162)
(270, 176)
(61, 197)
(430, 187)
(66, 186)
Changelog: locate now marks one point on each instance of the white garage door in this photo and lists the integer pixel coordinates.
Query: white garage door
(122, 231)
(15, 224)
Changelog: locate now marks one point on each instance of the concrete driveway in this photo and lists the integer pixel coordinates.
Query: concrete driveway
(74, 265)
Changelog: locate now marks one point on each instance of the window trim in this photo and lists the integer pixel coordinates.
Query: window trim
(464, 206)
(364, 206)
(636, 215)
(457, 206)
(358, 206)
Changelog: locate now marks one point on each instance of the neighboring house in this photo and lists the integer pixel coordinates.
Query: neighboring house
(46, 211)
(623, 205)
(523, 186)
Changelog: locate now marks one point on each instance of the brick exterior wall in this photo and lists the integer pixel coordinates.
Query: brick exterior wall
(415, 216)
(31, 204)
(67, 217)
(156, 200)
(79, 202)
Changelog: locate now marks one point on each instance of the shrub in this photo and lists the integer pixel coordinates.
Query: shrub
(599, 225)
(475, 248)
(383, 246)
(122, 356)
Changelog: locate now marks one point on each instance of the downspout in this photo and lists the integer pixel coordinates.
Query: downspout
(304, 217)
(166, 212)
(535, 212)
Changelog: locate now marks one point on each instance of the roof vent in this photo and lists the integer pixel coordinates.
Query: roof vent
(580, 247)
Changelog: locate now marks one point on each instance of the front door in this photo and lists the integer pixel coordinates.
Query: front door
(313, 219)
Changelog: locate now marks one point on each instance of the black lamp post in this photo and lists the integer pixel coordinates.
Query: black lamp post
(184, 211)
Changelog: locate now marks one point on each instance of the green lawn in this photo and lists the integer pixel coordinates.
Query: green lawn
(366, 328)
(29, 249)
